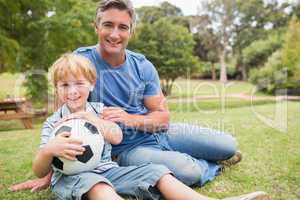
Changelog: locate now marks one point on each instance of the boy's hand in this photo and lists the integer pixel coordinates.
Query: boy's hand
(64, 146)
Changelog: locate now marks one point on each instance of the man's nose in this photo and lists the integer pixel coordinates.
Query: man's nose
(115, 32)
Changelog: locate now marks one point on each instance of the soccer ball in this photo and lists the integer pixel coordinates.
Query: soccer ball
(93, 142)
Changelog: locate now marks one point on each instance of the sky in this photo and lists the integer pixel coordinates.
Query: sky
(188, 7)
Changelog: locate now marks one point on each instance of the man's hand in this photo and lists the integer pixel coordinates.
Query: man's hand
(117, 114)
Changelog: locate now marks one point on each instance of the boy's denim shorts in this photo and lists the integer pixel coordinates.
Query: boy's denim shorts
(134, 181)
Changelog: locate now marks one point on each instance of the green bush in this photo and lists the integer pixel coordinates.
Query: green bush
(257, 53)
(272, 76)
(291, 53)
(282, 69)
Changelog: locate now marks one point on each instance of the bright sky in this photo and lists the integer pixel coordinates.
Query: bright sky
(188, 7)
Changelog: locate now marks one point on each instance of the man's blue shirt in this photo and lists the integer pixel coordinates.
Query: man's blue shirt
(124, 86)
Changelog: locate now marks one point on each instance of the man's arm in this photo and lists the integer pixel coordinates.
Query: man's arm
(156, 119)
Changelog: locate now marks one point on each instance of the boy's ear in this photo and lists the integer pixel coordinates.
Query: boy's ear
(91, 88)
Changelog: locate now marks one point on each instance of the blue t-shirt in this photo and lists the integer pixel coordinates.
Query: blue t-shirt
(125, 86)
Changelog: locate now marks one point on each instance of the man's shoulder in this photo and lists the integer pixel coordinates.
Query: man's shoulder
(87, 49)
(139, 59)
(136, 56)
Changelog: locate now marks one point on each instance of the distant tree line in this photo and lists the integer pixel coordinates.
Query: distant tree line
(252, 40)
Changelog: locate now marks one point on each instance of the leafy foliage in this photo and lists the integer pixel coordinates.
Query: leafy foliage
(169, 47)
(258, 52)
(34, 33)
(282, 69)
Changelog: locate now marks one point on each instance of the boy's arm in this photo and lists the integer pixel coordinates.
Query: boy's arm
(33, 185)
(42, 163)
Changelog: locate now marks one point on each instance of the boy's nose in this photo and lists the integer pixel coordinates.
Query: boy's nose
(72, 89)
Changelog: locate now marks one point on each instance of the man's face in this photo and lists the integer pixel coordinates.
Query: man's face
(114, 31)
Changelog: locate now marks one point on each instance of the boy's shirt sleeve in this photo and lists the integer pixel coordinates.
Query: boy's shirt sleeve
(47, 129)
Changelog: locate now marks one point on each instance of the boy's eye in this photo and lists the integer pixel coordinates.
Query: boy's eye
(80, 84)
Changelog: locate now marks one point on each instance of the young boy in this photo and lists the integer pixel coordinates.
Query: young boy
(74, 77)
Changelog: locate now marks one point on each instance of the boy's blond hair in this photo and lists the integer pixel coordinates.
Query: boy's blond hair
(75, 65)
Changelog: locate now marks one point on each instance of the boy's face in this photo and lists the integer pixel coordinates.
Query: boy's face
(114, 31)
(74, 92)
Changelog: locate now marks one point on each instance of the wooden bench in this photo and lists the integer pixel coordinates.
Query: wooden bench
(16, 109)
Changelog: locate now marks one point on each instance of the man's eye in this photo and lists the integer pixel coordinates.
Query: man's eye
(107, 25)
(124, 28)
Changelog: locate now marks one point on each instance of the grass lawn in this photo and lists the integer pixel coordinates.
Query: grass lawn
(271, 158)
(190, 88)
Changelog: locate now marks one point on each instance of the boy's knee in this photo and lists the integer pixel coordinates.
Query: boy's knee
(101, 191)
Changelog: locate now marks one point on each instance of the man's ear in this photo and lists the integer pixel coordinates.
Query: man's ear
(95, 27)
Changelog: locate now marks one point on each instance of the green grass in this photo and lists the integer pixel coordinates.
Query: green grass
(213, 105)
(190, 88)
(271, 158)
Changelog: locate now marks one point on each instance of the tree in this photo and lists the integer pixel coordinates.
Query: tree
(206, 43)
(169, 47)
(36, 32)
(151, 14)
(222, 14)
(282, 69)
(257, 53)
(257, 18)
(291, 52)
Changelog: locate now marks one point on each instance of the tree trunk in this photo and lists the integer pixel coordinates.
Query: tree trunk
(244, 73)
(167, 87)
(223, 73)
(213, 72)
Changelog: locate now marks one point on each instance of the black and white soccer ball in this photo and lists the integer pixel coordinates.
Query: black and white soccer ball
(93, 142)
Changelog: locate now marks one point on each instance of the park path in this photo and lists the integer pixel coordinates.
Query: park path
(241, 96)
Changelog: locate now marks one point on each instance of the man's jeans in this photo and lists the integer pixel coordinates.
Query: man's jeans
(189, 151)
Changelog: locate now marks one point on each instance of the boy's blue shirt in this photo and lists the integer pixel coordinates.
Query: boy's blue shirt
(125, 86)
(48, 127)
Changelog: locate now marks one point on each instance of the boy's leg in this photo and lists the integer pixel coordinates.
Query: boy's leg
(185, 168)
(199, 142)
(173, 189)
(137, 181)
(102, 191)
